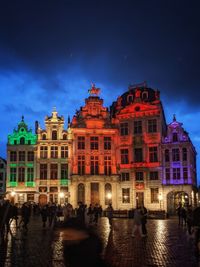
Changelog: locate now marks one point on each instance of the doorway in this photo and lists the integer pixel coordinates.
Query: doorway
(94, 193)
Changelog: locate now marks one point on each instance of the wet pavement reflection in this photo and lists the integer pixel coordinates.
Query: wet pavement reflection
(166, 244)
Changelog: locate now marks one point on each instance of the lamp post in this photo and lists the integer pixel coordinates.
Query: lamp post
(160, 197)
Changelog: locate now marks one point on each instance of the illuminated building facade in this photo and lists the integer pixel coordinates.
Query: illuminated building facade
(21, 165)
(125, 154)
(53, 155)
(3, 165)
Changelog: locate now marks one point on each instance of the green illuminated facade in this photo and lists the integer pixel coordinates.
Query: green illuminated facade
(22, 136)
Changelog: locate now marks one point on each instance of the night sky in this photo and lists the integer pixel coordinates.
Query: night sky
(51, 51)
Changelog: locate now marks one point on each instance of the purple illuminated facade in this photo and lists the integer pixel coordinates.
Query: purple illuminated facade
(179, 166)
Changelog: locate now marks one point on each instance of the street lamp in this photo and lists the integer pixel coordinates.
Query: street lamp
(109, 196)
(160, 197)
(61, 195)
(13, 193)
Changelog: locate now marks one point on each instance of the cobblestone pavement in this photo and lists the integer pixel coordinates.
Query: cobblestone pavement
(167, 244)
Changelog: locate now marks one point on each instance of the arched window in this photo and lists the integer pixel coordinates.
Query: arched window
(81, 193)
(64, 137)
(130, 98)
(22, 141)
(108, 194)
(44, 137)
(144, 95)
(54, 135)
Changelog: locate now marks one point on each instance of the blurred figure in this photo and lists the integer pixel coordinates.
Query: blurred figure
(26, 213)
(144, 213)
(109, 211)
(137, 222)
(44, 215)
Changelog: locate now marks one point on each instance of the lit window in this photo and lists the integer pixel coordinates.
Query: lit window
(154, 195)
(125, 195)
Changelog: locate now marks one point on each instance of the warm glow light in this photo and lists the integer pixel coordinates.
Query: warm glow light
(61, 194)
(109, 195)
(160, 197)
(13, 193)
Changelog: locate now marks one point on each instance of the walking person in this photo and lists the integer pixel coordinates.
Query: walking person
(44, 215)
(144, 213)
(26, 213)
(110, 214)
(137, 223)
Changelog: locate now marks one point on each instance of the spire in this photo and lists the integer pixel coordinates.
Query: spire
(174, 117)
(54, 112)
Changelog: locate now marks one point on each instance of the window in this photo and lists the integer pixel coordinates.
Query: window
(176, 173)
(43, 152)
(44, 137)
(13, 156)
(94, 143)
(64, 152)
(175, 154)
(54, 152)
(125, 176)
(184, 151)
(124, 128)
(167, 158)
(30, 156)
(81, 142)
(167, 174)
(1, 176)
(107, 143)
(137, 127)
(153, 154)
(130, 98)
(81, 165)
(138, 155)
(22, 155)
(21, 174)
(125, 195)
(64, 171)
(54, 135)
(1, 165)
(64, 137)
(175, 137)
(94, 165)
(54, 171)
(153, 175)
(124, 156)
(185, 173)
(30, 174)
(154, 195)
(139, 176)
(43, 171)
(152, 126)
(13, 174)
(22, 141)
(107, 165)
